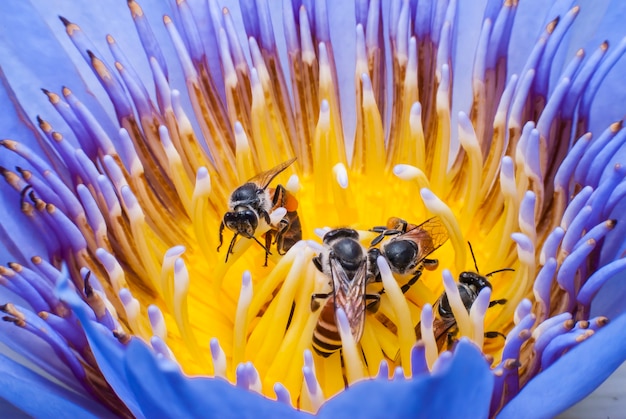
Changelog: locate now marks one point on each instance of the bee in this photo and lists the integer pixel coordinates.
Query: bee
(470, 285)
(344, 260)
(253, 201)
(408, 249)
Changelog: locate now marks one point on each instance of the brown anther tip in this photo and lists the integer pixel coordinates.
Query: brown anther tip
(498, 373)
(135, 9)
(119, 66)
(568, 324)
(583, 324)
(45, 91)
(15, 321)
(36, 260)
(167, 20)
(512, 364)
(65, 21)
(5, 272)
(43, 315)
(591, 242)
(110, 39)
(616, 126)
(15, 266)
(552, 25)
(604, 46)
(10, 144)
(525, 334)
(617, 166)
(66, 91)
(576, 9)
(88, 287)
(225, 10)
(611, 223)
(179, 2)
(580, 53)
(122, 337)
(56, 136)
(50, 208)
(602, 321)
(585, 336)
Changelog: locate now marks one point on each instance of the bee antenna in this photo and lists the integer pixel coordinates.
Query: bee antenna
(474, 257)
(501, 270)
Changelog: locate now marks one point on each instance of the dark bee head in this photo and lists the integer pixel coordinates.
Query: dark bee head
(474, 280)
(247, 194)
(468, 296)
(243, 221)
(401, 255)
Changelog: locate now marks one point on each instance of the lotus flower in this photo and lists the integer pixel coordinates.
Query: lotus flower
(485, 118)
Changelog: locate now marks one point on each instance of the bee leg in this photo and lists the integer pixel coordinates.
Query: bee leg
(221, 237)
(266, 248)
(283, 225)
(318, 296)
(413, 280)
(430, 264)
(493, 335)
(230, 246)
(374, 305)
(497, 302)
(373, 272)
(383, 233)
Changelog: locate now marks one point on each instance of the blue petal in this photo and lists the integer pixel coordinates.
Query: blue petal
(462, 389)
(157, 384)
(107, 350)
(572, 377)
(39, 397)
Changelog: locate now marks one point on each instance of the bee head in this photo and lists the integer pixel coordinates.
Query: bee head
(468, 296)
(474, 280)
(243, 221)
(401, 255)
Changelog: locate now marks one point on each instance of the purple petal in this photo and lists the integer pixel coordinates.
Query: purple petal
(443, 394)
(583, 369)
(156, 384)
(38, 397)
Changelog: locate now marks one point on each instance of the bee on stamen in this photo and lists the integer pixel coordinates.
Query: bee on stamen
(408, 249)
(253, 201)
(469, 286)
(344, 261)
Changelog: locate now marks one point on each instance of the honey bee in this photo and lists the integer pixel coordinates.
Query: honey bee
(470, 285)
(344, 260)
(253, 201)
(408, 250)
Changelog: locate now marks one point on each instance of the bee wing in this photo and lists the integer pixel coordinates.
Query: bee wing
(263, 179)
(429, 236)
(350, 295)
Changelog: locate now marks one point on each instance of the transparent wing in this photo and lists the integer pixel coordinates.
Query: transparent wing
(350, 294)
(429, 236)
(263, 179)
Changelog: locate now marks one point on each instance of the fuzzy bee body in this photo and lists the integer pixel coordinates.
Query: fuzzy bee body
(344, 260)
(253, 201)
